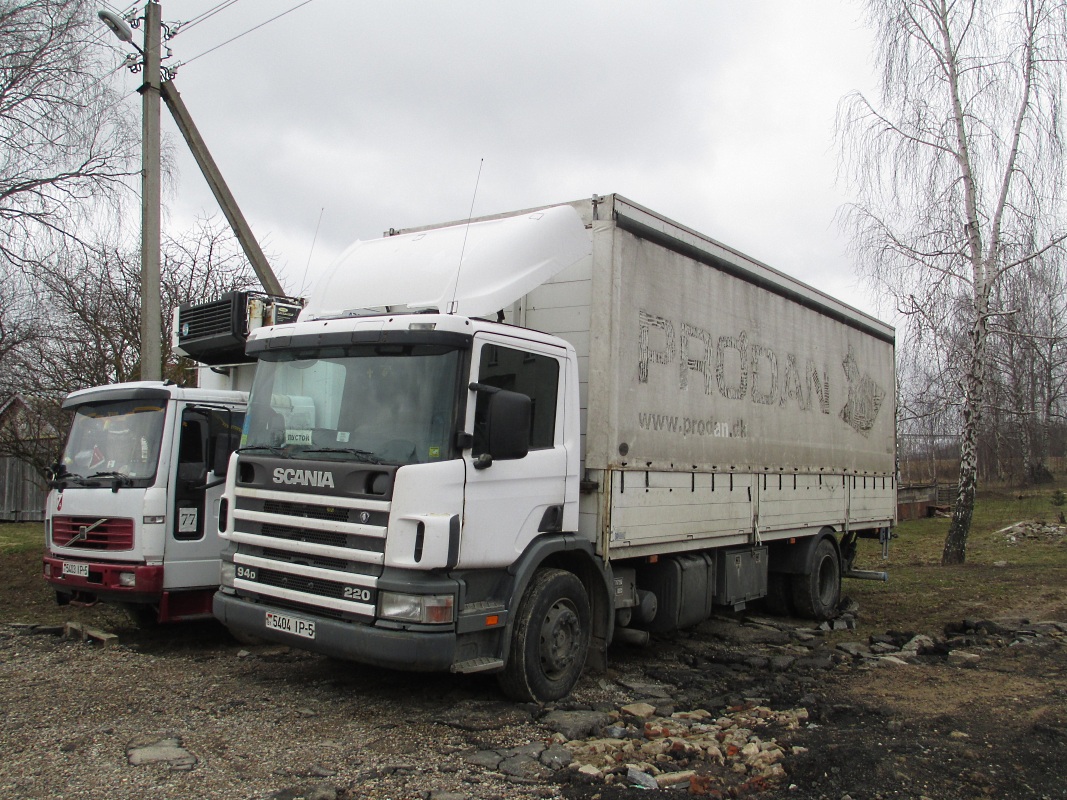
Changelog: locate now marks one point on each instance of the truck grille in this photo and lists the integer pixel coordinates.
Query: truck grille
(312, 511)
(322, 555)
(323, 562)
(103, 533)
(299, 583)
(323, 537)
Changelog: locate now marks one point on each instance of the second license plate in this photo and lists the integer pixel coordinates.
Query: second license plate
(79, 570)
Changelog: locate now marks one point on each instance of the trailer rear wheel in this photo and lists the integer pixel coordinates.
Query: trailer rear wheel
(550, 640)
(817, 592)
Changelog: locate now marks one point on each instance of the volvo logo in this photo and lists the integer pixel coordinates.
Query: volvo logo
(83, 531)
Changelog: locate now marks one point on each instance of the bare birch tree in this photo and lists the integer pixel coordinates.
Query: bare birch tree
(66, 140)
(67, 146)
(958, 169)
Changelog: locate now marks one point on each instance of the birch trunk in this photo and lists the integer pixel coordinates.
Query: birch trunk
(955, 551)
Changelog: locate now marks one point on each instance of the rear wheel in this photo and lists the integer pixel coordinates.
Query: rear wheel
(550, 640)
(817, 593)
(779, 599)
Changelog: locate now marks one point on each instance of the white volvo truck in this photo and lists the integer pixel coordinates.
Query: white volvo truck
(132, 515)
(498, 445)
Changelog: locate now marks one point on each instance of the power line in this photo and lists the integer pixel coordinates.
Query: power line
(184, 26)
(254, 28)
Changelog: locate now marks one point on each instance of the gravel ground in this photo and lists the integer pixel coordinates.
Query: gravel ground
(739, 707)
(239, 723)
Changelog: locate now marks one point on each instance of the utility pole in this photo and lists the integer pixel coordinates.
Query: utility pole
(151, 313)
(151, 90)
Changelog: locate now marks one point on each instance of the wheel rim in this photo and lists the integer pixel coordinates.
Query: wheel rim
(561, 634)
(827, 581)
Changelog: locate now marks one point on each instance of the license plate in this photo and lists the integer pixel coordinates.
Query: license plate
(79, 570)
(293, 625)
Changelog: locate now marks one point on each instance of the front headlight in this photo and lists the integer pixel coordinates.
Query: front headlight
(423, 608)
(128, 579)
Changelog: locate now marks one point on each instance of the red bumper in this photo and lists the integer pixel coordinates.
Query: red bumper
(103, 579)
(102, 583)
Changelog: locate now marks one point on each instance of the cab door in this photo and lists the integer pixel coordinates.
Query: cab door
(206, 438)
(511, 501)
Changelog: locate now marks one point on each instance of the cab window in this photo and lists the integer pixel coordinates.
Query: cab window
(531, 374)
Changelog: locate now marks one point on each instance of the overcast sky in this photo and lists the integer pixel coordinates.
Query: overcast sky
(348, 118)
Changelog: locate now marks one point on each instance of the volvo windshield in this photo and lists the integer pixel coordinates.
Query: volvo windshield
(388, 404)
(114, 440)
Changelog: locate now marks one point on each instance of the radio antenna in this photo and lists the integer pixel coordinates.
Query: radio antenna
(315, 238)
(453, 305)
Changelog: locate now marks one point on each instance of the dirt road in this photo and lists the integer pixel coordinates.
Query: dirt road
(741, 706)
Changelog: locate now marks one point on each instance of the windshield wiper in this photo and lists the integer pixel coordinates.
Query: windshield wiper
(117, 479)
(272, 448)
(69, 477)
(119, 476)
(361, 455)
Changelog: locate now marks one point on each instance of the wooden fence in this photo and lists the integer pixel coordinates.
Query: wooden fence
(22, 492)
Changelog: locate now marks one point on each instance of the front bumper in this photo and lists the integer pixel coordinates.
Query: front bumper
(414, 651)
(103, 579)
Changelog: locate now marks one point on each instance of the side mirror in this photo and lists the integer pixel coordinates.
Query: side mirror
(54, 475)
(225, 444)
(192, 474)
(507, 424)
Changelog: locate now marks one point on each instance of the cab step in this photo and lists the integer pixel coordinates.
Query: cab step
(478, 665)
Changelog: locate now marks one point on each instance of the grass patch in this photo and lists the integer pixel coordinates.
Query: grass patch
(1026, 577)
(21, 537)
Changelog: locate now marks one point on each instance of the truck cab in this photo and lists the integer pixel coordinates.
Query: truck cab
(133, 514)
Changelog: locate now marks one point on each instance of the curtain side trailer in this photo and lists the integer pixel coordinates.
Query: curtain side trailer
(499, 445)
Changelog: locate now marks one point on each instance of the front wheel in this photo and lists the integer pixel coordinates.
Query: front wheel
(143, 615)
(550, 640)
(817, 593)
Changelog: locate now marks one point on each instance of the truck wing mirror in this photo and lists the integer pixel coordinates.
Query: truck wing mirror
(192, 474)
(55, 474)
(225, 444)
(507, 424)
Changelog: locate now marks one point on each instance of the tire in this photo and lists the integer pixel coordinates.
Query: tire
(817, 593)
(143, 615)
(550, 640)
(779, 599)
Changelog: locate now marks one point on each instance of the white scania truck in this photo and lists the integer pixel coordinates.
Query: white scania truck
(498, 445)
(132, 515)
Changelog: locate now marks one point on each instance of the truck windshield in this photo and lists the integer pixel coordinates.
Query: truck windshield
(115, 439)
(390, 404)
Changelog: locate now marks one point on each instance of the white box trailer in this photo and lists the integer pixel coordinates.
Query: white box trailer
(523, 436)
